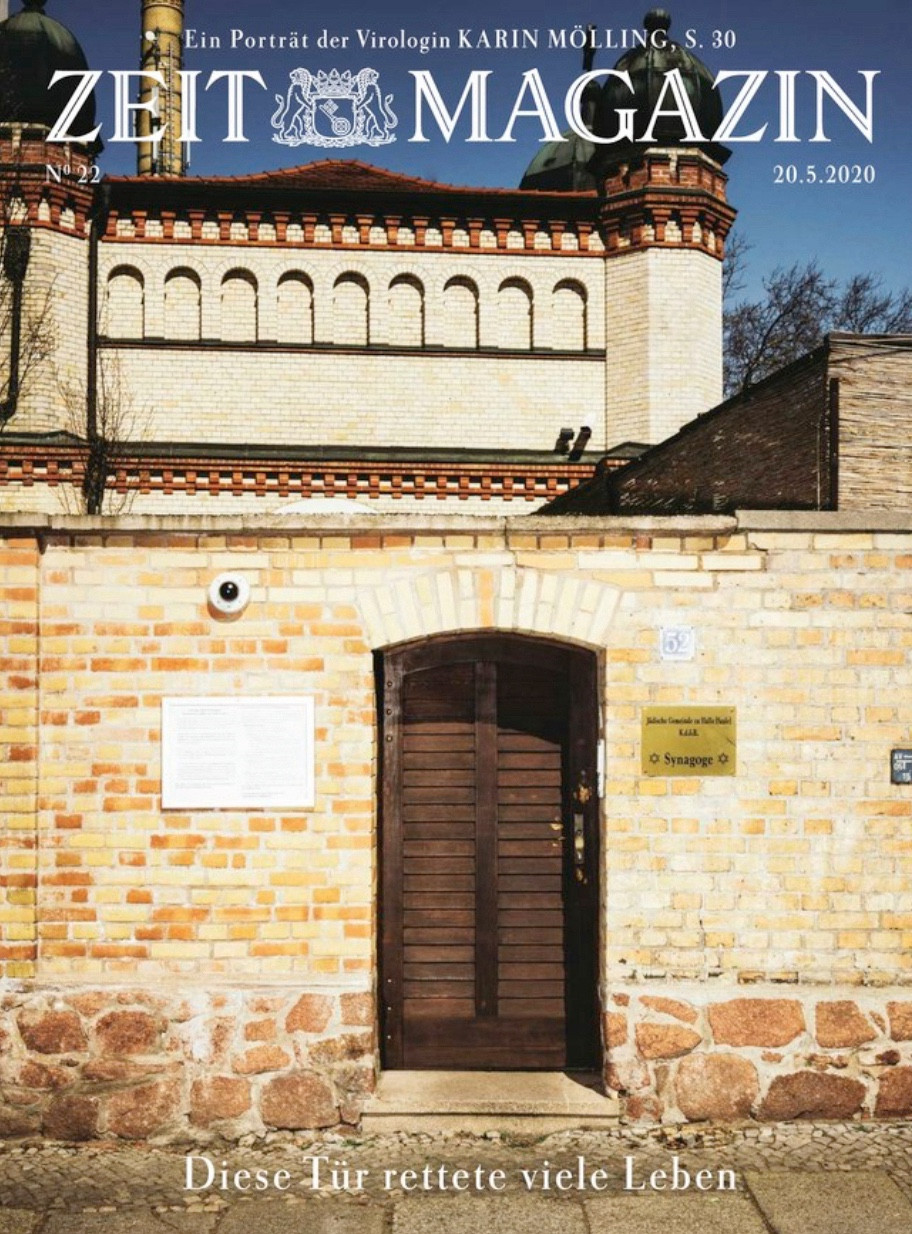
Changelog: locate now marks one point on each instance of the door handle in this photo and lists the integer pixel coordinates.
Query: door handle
(579, 847)
(582, 794)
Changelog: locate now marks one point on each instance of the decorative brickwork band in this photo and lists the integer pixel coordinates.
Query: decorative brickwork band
(674, 198)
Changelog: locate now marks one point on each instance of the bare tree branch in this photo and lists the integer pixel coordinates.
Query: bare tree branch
(28, 337)
(800, 305)
(120, 424)
(735, 264)
(865, 307)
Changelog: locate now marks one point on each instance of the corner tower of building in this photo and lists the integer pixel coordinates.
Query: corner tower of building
(46, 203)
(161, 153)
(664, 216)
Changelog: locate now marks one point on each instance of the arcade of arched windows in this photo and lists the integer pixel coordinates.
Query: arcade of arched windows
(348, 310)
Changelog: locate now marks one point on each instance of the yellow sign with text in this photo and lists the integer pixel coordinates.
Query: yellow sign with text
(689, 741)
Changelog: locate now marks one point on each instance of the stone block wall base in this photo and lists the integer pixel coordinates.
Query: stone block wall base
(86, 1062)
(689, 1053)
(82, 1062)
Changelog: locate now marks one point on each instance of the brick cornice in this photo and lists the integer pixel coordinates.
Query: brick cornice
(354, 230)
(642, 197)
(226, 474)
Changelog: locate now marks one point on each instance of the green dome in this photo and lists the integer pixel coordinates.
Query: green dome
(33, 48)
(574, 163)
(647, 67)
(561, 166)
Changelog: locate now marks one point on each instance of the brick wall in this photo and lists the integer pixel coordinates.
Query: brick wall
(627, 343)
(664, 361)
(611, 316)
(418, 307)
(19, 563)
(359, 398)
(649, 320)
(875, 406)
(756, 928)
(55, 306)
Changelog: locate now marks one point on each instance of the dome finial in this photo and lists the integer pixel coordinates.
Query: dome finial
(657, 19)
(32, 6)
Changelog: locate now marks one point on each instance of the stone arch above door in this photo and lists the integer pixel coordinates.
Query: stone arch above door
(487, 597)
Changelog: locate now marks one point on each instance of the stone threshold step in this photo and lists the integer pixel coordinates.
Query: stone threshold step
(540, 1102)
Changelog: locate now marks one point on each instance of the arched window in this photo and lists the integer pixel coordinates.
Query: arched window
(295, 309)
(183, 302)
(351, 300)
(124, 315)
(239, 307)
(514, 315)
(406, 310)
(568, 311)
(460, 313)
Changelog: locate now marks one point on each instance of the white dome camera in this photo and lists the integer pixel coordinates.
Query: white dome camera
(229, 594)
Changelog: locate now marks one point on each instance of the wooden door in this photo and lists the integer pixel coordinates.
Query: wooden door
(488, 855)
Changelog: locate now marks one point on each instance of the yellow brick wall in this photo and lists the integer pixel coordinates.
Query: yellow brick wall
(129, 890)
(359, 399)
(795, 870)
(417, 303)
(664, 362)
(789, 882)
(19, 569)
(610, 343)
(874, 405)
(55, 315)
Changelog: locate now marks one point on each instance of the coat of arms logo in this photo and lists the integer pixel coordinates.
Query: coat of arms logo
(334, 109)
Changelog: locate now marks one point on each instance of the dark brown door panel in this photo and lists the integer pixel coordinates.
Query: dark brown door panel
(488, 909)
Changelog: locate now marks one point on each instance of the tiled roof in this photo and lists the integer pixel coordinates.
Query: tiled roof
(345, 175)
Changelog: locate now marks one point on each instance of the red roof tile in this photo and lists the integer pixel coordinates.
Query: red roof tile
(348, 175)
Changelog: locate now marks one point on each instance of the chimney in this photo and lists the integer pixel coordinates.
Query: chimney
(162, 52)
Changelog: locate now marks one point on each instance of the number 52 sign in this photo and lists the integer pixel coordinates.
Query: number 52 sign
(677, 642)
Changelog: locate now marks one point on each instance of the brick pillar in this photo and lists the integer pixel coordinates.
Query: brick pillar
(19, 564)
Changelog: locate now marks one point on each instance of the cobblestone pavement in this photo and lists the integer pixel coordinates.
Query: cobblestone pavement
(58, 1189)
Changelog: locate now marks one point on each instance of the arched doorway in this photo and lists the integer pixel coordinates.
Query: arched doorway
(489, 861)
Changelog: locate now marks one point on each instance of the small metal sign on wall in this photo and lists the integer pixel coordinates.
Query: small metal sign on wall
(901, 766)
(689, 741)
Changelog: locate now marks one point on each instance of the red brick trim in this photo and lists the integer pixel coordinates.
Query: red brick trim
(452, 481)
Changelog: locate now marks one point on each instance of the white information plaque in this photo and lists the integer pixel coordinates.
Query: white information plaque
(238, 753)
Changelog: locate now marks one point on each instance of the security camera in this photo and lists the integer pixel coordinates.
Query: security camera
(229, 594)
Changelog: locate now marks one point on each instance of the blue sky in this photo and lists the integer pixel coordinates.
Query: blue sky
(849, 228)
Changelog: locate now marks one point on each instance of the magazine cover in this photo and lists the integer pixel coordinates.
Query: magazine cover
(455, 547)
